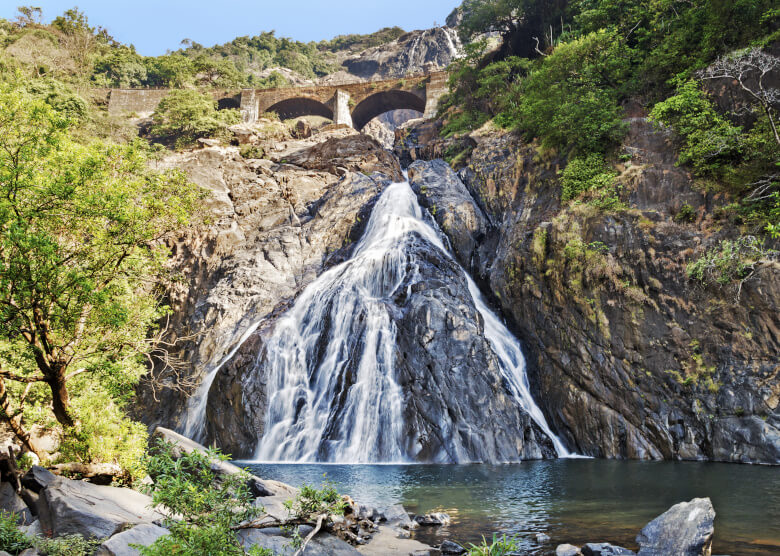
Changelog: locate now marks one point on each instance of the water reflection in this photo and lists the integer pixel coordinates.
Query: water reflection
(574, 501)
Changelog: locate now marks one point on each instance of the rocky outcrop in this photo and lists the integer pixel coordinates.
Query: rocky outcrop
(627, 357)
(685, 529)
(412, 53)
(270, 227)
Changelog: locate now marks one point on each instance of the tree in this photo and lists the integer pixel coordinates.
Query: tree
(81, 246)
(186, 115)
(28, 15)
(750, 68)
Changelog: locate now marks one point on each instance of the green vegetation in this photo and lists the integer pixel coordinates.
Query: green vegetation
(731, 261)
(566, 70)
(81, 224)
(311, 503)
(206, 505)
(499, 546)
(186, 115)
(12, 540)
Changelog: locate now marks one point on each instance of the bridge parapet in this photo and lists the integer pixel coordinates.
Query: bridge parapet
(354, 104)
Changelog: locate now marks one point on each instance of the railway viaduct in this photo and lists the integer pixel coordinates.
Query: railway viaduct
(353, 104)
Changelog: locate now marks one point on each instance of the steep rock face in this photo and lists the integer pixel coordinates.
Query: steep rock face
(410, 54)
(271, 228)
(456, 405)
(627, 357)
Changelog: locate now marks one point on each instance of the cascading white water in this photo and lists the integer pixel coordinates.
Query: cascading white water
(336, 344)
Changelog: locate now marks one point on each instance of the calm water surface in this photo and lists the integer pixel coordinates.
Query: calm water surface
(574, 501)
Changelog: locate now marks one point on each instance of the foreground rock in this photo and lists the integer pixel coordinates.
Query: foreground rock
(140, 535)
(686, 529)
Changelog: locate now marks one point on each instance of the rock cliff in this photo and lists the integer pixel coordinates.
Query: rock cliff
(627, 356)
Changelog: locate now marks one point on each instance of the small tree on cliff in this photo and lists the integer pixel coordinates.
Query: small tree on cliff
(80, 247)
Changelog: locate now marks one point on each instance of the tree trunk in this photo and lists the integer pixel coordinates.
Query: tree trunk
(15, 423)
(60, 400)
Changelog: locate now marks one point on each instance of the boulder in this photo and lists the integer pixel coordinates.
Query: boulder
(605, 549)
(141, 535)
(567, 550)
(449, 547)
(75, 507)
(302, 130)
(38, 478)
(436, 519)
(397, 515)
(12, 503)
(685, 529)
(542, 537)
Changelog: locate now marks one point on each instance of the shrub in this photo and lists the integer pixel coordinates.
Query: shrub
(12, 540)
(570, 100)
(208, 505)
(586, 174)
(686, 214)
(251, 151)
(731, 261)
(68, 545)
(310, 502)
(186, 115)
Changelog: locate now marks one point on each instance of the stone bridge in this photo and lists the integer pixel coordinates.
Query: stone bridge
(353, 104)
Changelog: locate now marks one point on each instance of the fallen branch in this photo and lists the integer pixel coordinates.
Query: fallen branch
(310, 536)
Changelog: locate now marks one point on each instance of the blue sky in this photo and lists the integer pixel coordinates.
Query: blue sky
(155, 26)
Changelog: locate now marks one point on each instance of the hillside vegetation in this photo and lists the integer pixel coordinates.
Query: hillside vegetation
(567, 72)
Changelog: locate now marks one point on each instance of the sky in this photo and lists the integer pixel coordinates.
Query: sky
(155, 26)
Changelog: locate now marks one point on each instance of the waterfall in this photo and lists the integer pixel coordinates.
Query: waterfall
(337, 343)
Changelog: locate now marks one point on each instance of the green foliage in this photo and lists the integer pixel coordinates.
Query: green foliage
(80, 231)
(206, 505)
(63, 99)
(251, 151)
(709, 141)
(310, 502)
(731, 261)
(503, 546)
(68, 545)
(586, 174)
(12, 540)
(571, 99)
(104, 433)
(357, 43)
(686, 214)
(186, 115)
(275, 80)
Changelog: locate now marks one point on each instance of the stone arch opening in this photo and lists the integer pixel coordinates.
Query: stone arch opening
(228, 103)
(385, 101)
(300, 106)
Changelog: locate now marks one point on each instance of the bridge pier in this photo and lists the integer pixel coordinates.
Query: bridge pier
(341, 110)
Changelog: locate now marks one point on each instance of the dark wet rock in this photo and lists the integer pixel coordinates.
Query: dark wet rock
(140, 535)
(605, 549)
(433, 520)
(567, 550)
(626, 356)
(685, 529)
(440, 190)
(420, 140)
(38, 478)
(449, 547)
(12, 503)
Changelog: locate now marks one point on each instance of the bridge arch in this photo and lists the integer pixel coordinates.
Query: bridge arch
(300, 106)
(385, 101)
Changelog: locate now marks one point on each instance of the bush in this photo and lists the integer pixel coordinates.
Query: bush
(12, 540)
(570, 101)
(207, 505)
(731, 261)
(586, 174)
(186, 115)
(310, 502)
(68, 545)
